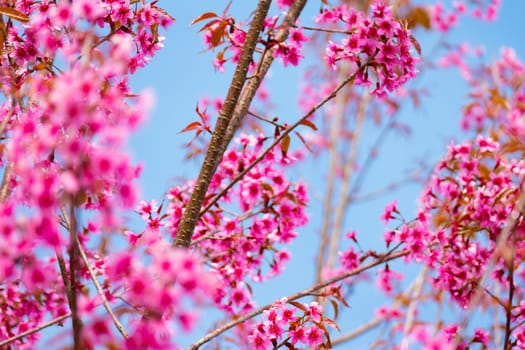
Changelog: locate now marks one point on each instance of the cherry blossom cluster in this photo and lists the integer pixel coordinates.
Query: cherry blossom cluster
(268, 209)
(377, 40)
(291, 324)
(29, 295)
(465, 207)
(162, 293)
(66, 118)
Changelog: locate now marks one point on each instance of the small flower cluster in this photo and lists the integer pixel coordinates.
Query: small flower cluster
(223, 31)
(162, 294)
(282, 327)
(497, 97)
(271, 208)
(377, 40)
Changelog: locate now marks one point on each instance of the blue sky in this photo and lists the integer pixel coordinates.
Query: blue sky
(182, 73)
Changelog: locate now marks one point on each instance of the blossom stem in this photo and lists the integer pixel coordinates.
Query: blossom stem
(100, 291)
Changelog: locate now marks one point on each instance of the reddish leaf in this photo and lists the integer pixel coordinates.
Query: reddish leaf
(204, 16)
(331, 323)
(209, 24)
(308, 124)
(14, 14)
(336, 308)
(303, 141)
(217, 34)
(267, 187)
(416, 44)
(191, 126)
(418, 16)
(298, 305)
(285, 144)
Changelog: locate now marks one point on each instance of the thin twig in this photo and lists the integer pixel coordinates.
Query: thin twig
(4, 187)
(377, 320)
(389, 256)
(411, 179)
(359, 331)
(325, 30)
(100, 291)
(508, 314)
(269, 121)
(35, 330)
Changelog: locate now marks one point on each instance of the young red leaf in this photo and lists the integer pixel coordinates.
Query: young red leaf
(298, 305)
(308, 124)
(217, 34)
(335, 305)
(331, 323)
(285, 144)
(204, 16)
(416, 44)
(303, 141)
(191, 126)
(209, 24)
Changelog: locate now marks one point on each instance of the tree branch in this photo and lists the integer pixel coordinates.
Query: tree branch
(358, 331)
(73, 253)
(100, 291)
(216, 147)
(348, 167)
(389, 256)
(262, 68)
(34, 330)
(336, 124)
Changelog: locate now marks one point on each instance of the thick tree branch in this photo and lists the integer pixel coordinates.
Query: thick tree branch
(389, 256)
(216, 147)
(266, 61)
